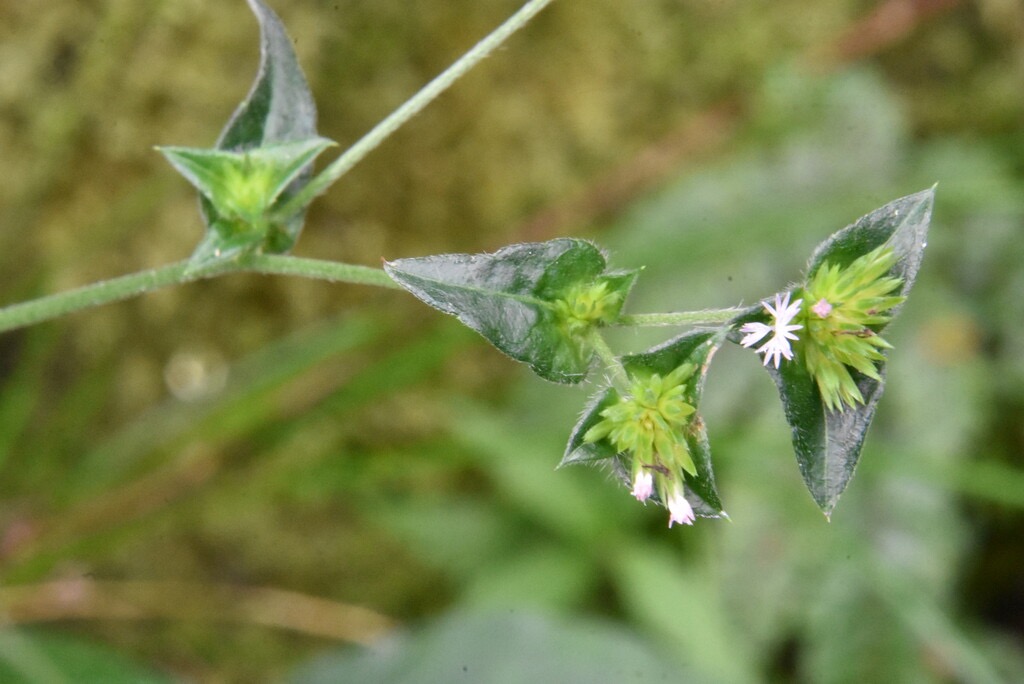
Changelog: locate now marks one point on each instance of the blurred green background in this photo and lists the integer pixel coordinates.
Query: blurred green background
(245, 479)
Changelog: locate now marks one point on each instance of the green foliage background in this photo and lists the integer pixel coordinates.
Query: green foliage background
(353, 445)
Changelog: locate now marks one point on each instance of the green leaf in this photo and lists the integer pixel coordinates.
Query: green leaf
(828, 443)
(279, 106)
(696, 347)
(516, 297)
(278, 109)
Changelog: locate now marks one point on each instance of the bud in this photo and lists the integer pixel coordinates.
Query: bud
(679, 509)
(643, 483)
(587, 306)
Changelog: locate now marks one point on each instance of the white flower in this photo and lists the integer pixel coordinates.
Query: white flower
(782, 332)
(643, 485)
(679, 509)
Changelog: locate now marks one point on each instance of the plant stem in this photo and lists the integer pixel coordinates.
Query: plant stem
(320, 269)
(412, 106)
(52, 306)
(679, 318)
(107, 291)
(608, 358)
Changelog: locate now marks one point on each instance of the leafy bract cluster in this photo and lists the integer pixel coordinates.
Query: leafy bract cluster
(585, 307)
(648, 425)
(545, 304)
(648, 422)
(263, 159)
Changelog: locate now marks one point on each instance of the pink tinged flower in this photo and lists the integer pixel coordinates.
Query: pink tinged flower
(643, 485)
(777, 347)
(679, 509)
(822, 308)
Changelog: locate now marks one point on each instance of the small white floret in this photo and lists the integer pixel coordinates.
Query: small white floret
(679, 509)
(777, 347)
(643, 485)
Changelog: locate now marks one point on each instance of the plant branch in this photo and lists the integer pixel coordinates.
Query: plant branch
(412, 106)
(103, 292)
(107, 291)
(679, 318)
(608, 358)
(319, 269)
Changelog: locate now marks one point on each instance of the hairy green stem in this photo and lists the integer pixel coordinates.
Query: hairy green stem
(412, 106)
(103, 292)
(320, 269)
(608, 358)
(123, 287)
(679, 318)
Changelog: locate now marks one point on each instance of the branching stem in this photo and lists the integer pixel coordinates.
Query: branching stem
(608, 359)
(52, 306)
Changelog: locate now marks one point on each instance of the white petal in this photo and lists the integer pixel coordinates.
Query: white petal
(755, 332)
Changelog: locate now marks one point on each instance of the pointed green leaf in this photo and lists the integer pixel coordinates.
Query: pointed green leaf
(697, 348)
(517, 298)
(828, 443)
(279, 106)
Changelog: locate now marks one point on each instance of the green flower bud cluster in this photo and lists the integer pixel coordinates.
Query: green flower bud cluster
(587, 306)
(843, 308)
(247, 189)
(649, 424)
(240, 190)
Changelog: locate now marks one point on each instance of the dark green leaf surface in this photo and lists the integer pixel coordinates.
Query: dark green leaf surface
(578, 451)
(828, 443)
(279, 106)
(278, 109)
(507, 297)
(696, 347)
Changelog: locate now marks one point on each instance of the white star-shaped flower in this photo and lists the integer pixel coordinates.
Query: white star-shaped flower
(782, 332)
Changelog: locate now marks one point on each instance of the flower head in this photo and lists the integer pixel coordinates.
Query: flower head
(781, 329)
(585, 306)
(852, 304)
(649, 426)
